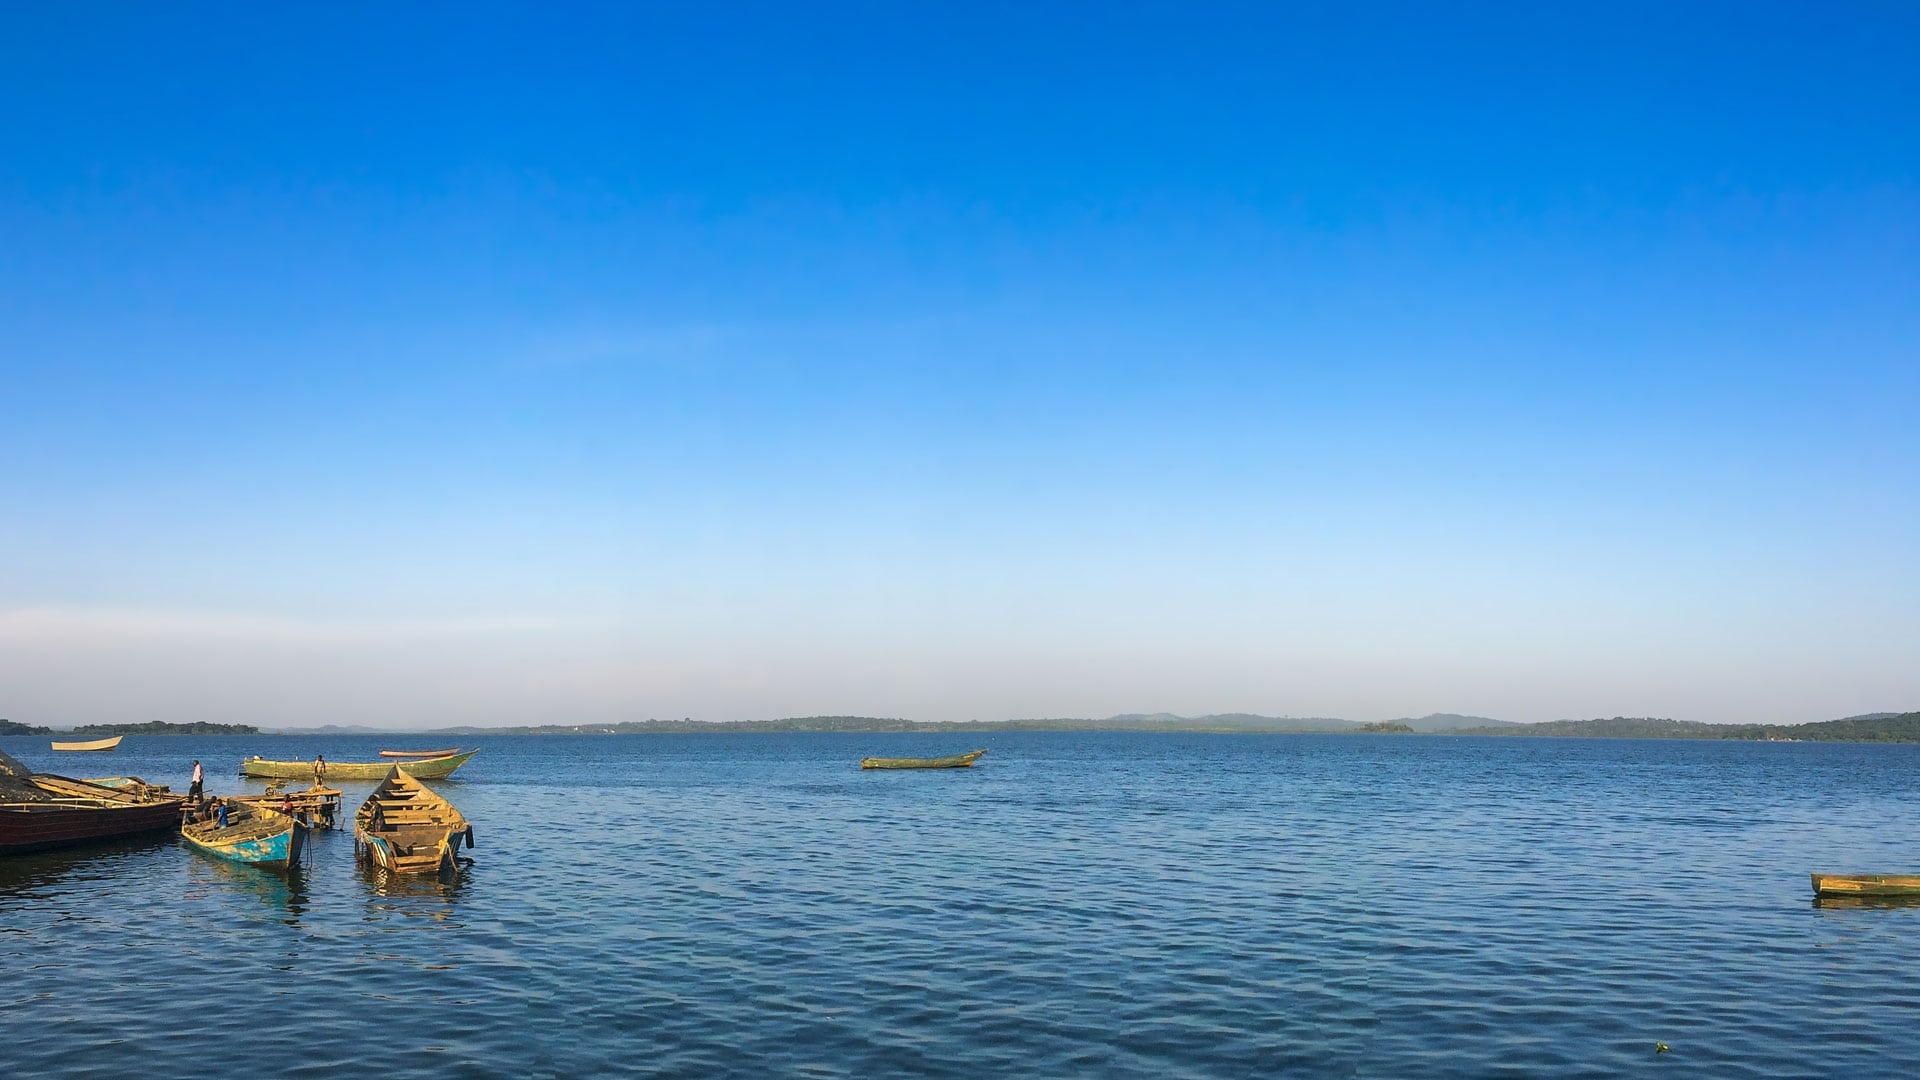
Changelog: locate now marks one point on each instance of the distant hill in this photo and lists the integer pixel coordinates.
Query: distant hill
(708, 727)
(1618, 727)
(1211, 722)
(1446, 721)
(1881, 727)
(1218, 722)
(9, 727)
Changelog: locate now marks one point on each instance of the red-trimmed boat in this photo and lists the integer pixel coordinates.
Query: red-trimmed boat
(40, 811)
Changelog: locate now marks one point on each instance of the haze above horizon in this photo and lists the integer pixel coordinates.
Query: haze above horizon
(503, 366)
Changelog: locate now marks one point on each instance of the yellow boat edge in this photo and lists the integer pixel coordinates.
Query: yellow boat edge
(1866, 884)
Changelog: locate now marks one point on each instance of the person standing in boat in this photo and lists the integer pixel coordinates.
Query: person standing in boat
(319, 769)
(193, 787)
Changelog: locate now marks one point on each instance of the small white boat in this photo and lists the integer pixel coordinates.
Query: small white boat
(97, 744)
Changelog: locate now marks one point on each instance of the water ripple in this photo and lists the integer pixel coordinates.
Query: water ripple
(1078, 905)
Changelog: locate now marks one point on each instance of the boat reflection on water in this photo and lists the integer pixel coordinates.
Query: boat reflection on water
(286, 893)
(27, 875)
(1831, 903)
(419, 895)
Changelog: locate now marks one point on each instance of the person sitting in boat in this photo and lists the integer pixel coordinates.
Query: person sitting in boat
(193, 789)
(220, 808)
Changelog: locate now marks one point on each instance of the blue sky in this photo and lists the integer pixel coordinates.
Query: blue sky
(497, 364)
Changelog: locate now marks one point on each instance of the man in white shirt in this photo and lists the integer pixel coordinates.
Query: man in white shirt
(193, 789)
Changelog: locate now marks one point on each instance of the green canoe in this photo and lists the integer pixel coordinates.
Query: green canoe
(426, 768)
(957, 761)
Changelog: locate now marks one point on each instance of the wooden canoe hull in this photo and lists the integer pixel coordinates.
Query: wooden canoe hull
(957, 761)
(280, 848)
(419, 753)
(96, 744)
(431, 857)
(315, 807)
(404, 827)
(1866, 885)
(431, 768)
(28, 827)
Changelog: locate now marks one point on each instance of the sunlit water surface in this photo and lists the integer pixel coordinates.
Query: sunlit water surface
(1103, 905)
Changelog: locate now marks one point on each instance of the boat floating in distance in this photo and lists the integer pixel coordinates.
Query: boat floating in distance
(96, 744)
(254, 833)
(1834, 885)
(957, 761)
(431, 768)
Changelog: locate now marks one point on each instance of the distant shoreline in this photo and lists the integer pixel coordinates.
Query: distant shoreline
(1869, 728)
(1874, 727)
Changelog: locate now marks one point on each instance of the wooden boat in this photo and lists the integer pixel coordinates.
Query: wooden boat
(127, 783)
(429, 768)
(957, 761)
(97, 744)
(405, 828)
(1866, 885)
(40, 811)
(419, 753)
(254, 834)
(317, 807)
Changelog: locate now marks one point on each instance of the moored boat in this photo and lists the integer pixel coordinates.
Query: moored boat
(1834, 885)
(316, 807)
(419, 753)
(957, 761)
(95, 744)
(40, 811)
(429, 768)
(405, 828)
(127, 783)
(254, 833)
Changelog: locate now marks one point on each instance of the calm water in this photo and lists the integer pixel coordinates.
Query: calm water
(1078, 905)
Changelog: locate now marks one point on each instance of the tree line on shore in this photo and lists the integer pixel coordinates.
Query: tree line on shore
(151, 727)
(1872, 727)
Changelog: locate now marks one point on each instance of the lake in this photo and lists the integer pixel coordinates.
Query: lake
(1078, 904)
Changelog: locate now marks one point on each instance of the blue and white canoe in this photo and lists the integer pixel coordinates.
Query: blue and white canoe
(253, 834)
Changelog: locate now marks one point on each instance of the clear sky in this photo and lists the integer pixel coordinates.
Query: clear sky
(485, 364)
